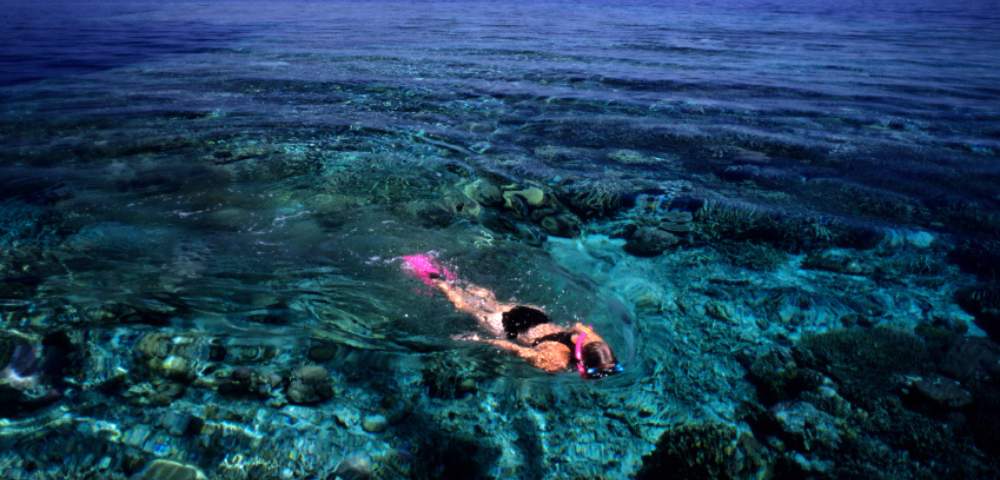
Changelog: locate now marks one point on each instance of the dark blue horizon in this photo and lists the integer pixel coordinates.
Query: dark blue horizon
(65, 37)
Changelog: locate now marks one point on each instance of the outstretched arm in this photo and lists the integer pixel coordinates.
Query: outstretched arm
(549, 356)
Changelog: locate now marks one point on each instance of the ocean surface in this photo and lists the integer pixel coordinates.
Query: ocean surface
(783, 217)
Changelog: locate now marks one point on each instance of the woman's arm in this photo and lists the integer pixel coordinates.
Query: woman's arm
(552, 357)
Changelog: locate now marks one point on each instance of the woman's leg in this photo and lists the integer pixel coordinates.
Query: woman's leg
(425, 267)
(472, 299)
(476, 301)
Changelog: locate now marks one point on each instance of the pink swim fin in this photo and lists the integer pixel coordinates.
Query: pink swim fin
(426, 268)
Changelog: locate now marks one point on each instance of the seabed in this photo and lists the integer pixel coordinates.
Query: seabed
(792, 247)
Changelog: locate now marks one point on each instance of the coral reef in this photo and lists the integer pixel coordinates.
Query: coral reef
(595, 198)
(649, 242)
(454, 457)
(792, 233)
(866, 363)
(842, 397)
(983, 302)
(979, 257)
(199, 251)
(451, 376)
(706, 450)
(753, 256)
(162, 469)
(310, 384)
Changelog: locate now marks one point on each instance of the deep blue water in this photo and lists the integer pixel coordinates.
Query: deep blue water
(184, 178)
(45, 40)
(918, 68)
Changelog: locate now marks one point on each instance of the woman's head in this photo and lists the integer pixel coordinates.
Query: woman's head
(598, 360)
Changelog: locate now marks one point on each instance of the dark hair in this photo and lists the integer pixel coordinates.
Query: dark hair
(521, 318)
(598, 355)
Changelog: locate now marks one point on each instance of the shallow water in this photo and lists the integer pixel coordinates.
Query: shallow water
(242, 176)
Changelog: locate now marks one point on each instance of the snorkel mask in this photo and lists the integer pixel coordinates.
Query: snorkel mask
(592, 372)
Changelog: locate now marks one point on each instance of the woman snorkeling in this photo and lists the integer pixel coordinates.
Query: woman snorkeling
(522, 329)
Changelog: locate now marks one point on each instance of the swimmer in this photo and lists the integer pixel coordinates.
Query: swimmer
(521, 329)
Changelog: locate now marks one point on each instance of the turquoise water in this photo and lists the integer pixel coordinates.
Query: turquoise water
(783, 219)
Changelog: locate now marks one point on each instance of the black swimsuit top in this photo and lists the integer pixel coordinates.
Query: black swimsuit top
(565, 338)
